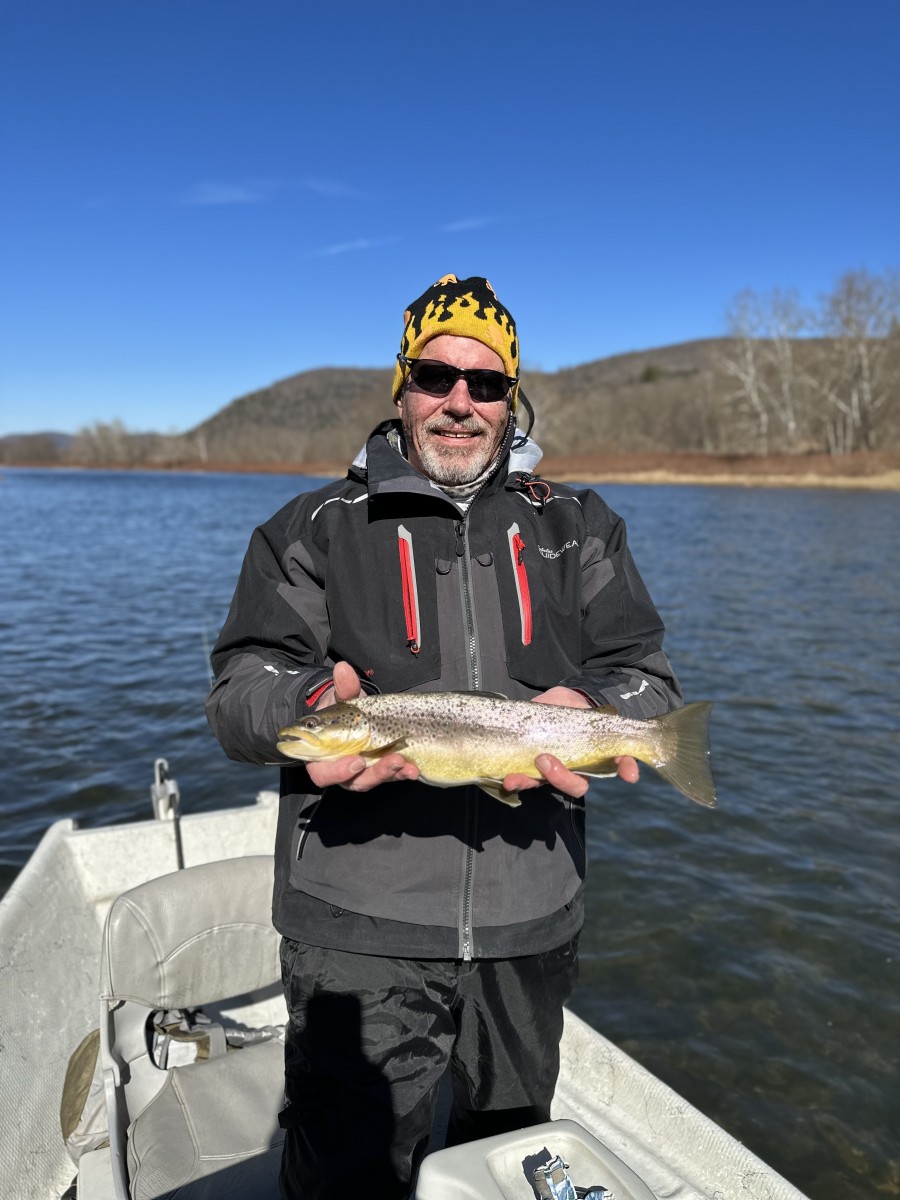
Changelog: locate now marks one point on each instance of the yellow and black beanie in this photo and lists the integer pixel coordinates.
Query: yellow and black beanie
(463, 308)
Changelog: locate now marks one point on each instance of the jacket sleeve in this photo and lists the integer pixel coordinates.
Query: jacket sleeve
(270, 658)
(623, 663)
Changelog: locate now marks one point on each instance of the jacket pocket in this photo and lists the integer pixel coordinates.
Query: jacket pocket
(382, 602)
(410, 590)
(520, 575)
(540, 597)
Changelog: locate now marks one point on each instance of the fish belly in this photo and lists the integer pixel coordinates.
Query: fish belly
(453, 763)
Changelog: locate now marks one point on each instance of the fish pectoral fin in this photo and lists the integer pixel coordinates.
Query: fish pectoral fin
(372, 756)
(496, 790)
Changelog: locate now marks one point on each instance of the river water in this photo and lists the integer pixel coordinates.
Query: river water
(748, 955)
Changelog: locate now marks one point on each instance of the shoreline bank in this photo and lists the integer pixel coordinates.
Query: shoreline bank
(872, 471)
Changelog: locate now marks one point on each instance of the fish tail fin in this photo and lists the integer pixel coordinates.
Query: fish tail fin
(687, 769)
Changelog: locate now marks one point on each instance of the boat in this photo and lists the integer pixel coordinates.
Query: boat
(83, 931)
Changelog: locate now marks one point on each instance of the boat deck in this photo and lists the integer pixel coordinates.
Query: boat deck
(50, 930)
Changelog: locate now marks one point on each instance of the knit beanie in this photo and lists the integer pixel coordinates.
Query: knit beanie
(463, 308)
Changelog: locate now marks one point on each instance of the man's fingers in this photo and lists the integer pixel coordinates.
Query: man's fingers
(628, 768)
(393, 767)
(346, 686)
(563, 696)
(560, 776)
(554, 773)
(352, 773)
(521, 783)
(327, 774)
(346, 682)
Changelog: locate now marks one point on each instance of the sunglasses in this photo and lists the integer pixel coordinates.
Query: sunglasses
(439, 379)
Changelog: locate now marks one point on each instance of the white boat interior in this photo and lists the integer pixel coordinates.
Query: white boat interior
(103, 928)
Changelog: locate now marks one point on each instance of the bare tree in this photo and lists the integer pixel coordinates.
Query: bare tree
(858, 375)
(786, 320)
(770, 390)
(743, 363)
(103, 443)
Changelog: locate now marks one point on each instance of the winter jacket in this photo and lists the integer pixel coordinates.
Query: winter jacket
(532, 585)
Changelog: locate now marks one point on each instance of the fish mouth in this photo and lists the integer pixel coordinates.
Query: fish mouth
(297, 746)
(296, 742)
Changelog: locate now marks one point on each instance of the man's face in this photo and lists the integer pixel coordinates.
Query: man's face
(453, 438)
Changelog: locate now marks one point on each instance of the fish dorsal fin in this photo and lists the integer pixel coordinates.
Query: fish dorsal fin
(496, 790)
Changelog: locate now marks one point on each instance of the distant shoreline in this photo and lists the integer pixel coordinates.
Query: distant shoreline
(873, 470)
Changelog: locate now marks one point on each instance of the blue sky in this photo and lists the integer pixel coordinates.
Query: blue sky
(203, 196)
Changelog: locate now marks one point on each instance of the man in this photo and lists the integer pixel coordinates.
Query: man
(424, 928)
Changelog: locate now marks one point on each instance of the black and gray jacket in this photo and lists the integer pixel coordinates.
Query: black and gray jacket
(530, 585)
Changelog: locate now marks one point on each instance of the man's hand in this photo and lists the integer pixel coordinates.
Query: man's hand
(553, 771)
(351, 772)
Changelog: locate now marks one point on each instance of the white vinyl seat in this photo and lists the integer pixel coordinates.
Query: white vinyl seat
(208, 1128)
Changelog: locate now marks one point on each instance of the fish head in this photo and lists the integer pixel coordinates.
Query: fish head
(330, 733)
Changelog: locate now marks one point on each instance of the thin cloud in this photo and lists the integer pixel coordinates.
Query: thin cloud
(354, 246)
(332, 189)
(258, 191)
(466, 224)
(217, 194)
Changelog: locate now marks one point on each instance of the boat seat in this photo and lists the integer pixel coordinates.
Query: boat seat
(207, 1128)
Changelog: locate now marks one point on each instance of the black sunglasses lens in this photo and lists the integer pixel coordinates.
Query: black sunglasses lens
(487, 386)
(435, 378)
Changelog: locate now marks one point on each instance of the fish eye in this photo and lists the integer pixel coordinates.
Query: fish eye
(310, 723)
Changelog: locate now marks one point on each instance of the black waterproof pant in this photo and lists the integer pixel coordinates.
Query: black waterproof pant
(369, 1040)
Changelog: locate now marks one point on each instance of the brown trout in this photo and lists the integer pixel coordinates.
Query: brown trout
(457, 738)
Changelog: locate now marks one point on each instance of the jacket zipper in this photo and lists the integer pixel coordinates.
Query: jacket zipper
(520, 573)
(465, 916)
(410, 590)
(474, 673)
(465, 584)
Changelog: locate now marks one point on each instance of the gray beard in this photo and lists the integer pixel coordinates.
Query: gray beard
(448, 469)
(450, 473)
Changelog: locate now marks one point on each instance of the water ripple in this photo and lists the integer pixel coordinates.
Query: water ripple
(748, 955)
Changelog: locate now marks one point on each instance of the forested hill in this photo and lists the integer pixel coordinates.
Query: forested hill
(720, 395)
(734, 395)
(320, 415)
(653, 399)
